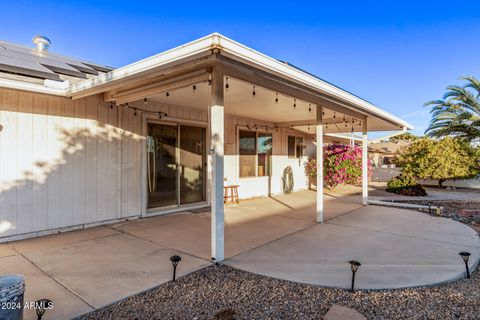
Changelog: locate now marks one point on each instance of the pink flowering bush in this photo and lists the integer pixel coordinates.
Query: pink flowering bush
(341, 165)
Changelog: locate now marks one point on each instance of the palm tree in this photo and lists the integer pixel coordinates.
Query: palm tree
(458, 113)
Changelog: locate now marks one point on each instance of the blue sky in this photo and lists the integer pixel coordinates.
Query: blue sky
(397, 55)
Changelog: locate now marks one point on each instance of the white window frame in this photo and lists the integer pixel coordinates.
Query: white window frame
(256, 176)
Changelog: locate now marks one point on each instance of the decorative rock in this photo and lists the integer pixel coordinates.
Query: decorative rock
(338, 312)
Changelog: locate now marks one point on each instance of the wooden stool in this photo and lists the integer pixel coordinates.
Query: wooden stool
(233, 196)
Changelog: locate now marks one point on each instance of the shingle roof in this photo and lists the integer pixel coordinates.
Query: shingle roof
(30, 62)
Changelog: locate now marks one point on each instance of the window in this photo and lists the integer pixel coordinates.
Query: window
(295, 147)
(255, 153)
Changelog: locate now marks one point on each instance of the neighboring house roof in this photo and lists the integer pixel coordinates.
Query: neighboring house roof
(387, 147)
(30, 62)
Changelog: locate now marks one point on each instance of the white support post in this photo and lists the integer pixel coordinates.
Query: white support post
(216, 145)
(364, 163)
(319, 133)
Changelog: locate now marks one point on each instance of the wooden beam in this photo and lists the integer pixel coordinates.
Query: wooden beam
(163, 86)
(336, 120)
(272, 82)
(217, 130)
(364, 163)
(319, 155)
(162, 71)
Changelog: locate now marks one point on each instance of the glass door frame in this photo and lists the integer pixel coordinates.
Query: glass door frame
(146, 211)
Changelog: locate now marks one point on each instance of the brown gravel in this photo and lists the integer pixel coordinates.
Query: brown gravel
(221, 292)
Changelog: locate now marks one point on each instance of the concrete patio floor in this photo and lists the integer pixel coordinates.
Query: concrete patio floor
(397, 248)
(86, 269)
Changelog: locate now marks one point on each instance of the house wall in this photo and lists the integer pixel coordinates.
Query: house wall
(73, 163)
(66, 163)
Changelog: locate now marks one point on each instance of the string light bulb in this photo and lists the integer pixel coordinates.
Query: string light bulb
(226, 83)
(309, 107)
(334, 115)
(294, 103)
(167, 94)
(253, 92)
(276, 97)
(194, 88)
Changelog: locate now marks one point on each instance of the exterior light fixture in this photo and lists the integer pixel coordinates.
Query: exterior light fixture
(465, 256)
(226, 83)
(429, 207)
(41, 306)
(135, 112)
(111, 105)
(308, 127)
(194, 88)
(253, 92)
(309, 107)
(354, 265)
(276, 97)
(167, 94)
(294, 103)
(334, 115)
(175, 260)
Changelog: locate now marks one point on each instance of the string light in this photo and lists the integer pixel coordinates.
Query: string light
(167, 94)
(309, 107)
(253, 92)
(160, 114)
(194, 88)
(276, 97)
(334, 115)
(294, 103)
(111, 105)
(226, 83)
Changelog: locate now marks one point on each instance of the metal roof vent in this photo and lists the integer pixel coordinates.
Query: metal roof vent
(42, 43)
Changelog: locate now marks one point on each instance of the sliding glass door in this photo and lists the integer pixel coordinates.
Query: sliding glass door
(175, 164)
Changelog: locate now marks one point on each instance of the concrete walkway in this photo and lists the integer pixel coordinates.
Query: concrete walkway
(397, 248)
(86, 269)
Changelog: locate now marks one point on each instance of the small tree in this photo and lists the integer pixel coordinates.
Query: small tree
(440, 159)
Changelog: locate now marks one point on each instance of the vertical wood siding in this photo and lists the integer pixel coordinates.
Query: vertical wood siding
(65, 163)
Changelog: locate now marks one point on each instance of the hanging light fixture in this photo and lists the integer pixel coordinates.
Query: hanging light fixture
(253, 92)
(276, 97)
(226, 83)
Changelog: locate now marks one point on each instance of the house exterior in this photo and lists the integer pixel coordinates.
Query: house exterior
(83, 144)
(383, 153)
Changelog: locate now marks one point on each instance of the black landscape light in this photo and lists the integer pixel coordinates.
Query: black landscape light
(354, 266)
(41, 306)
(429, 208)
(175, 260)
(465, 256)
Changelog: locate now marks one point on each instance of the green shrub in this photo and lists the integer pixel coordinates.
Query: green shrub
(405, 184)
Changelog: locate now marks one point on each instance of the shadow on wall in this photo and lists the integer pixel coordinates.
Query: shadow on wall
(58, 171)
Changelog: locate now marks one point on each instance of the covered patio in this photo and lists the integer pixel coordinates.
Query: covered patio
(247, 117)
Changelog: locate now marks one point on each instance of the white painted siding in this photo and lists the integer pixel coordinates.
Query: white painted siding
(61, 163)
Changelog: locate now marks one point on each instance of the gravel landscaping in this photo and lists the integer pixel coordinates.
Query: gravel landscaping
(221, 292)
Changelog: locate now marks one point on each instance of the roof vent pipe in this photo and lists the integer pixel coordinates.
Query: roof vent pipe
(42, 43)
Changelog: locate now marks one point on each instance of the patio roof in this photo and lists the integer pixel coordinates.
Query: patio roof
(180, 68)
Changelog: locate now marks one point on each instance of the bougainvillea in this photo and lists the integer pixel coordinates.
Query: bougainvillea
(341, 165)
